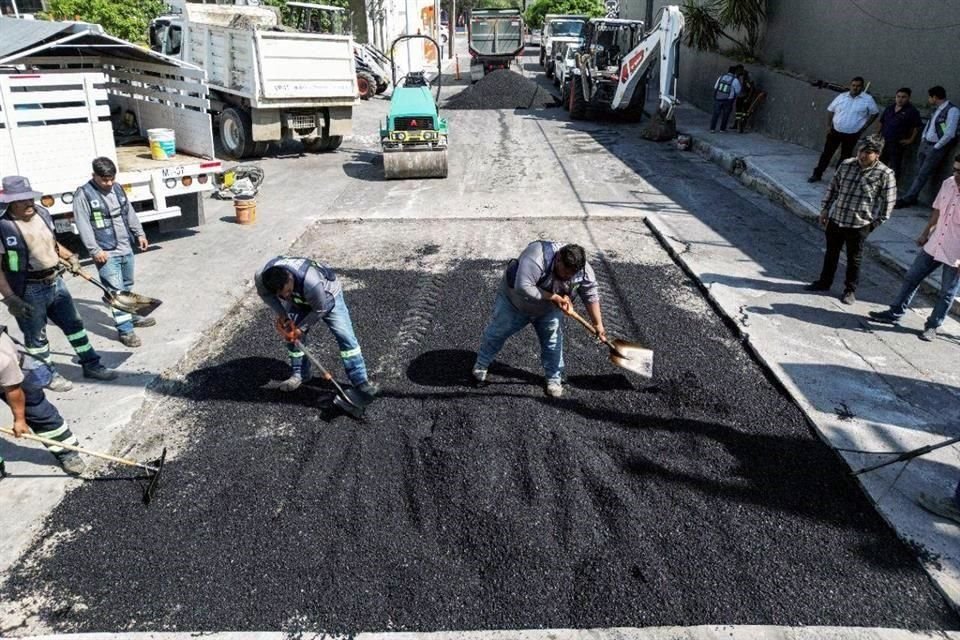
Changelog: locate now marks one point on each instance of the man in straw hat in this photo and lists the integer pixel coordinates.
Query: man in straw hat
(31, 285)
(860, 198)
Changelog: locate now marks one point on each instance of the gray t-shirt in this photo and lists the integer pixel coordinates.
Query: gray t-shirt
(81, 213)
(318, 292)
(535, 278)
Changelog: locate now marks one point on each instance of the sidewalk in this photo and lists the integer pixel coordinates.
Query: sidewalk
(779, 170)
(867, 389)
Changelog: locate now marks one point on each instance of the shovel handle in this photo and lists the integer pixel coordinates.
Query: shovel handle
(70, 447)
(576, 316)
(86, 276)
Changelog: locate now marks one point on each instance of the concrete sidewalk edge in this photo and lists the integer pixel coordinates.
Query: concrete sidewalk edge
(944, 583)
(756, 179)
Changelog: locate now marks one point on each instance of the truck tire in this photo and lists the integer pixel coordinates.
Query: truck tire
(366, 85)
(382, 87)
(549, 71)
(260, 148)
(565, 96)
(543, 58)
(634, 111)
(578, 104)
(321, 144)
(236, 133)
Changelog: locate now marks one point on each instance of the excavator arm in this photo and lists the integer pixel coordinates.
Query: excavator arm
(662, 43)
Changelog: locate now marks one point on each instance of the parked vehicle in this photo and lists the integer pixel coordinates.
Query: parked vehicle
(558, 31)
(494, 39)
(613, 64)
(267, 83)
(70, 93)
(373, 78)
(564, 65)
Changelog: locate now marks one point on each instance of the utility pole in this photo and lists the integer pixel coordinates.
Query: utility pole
(452, 28)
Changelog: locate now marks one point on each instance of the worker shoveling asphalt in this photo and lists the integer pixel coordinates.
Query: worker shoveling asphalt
(536, 289)
(302, 291)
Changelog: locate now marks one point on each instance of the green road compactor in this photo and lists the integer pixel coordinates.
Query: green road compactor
(414, 136)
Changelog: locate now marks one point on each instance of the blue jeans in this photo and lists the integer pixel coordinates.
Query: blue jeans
(117, 274)
(340, 325)
(507, 320)
(923, 265)
(53, 301)
(721, 112)
(928, 160)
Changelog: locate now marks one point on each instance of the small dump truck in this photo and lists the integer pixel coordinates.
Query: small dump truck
(494, 39)
(69, 93)
(267, 82)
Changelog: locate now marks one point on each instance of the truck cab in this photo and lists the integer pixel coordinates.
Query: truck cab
(558, 31)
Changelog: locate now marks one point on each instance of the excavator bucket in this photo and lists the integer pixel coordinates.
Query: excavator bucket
(660, 128)
(427, 163)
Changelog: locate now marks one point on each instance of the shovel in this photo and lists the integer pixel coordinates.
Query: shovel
(123, 300)
(349, 401)
(153, 470)
(631, 356)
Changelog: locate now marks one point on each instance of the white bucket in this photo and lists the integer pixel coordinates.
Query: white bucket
(163, 143)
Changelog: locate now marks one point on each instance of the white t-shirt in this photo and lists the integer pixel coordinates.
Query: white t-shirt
(851, 114)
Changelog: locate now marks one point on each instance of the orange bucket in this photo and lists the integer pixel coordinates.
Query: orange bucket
(245, 208)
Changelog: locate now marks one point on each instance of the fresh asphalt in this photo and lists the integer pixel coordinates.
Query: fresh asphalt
(701, 499)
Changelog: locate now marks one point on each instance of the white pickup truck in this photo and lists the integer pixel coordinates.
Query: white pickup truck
(66, 87)
(267, 82)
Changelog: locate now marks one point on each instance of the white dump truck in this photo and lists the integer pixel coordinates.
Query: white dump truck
(70, 93)
(267, 82)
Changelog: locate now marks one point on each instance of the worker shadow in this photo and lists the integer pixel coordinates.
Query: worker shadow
(246, 380)
(454, 368)
(96, 317)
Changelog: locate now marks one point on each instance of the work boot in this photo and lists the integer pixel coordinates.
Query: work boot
(884, 316)
(848, 297)
(140, 322)
(72, 463)
(929, 334)
(290, 384)
(554, 388)
(369, 389)
(817, 286)
(480, 375)
(99, 372)
(130, 339)
(59, 383)
(945, 507)
(813, 178)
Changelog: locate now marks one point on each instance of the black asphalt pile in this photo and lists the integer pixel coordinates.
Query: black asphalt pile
(703, 499)
(502, 89)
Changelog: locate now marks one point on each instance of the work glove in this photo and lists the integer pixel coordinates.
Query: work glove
(73, 264)
(18, 307)
(290, 384)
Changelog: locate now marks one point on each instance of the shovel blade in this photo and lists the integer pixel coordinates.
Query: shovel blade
(155, 478)
(132, 303)
(633, 357)
(345, 405)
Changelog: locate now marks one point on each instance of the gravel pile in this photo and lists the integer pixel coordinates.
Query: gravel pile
(502, 89)
(703, 499)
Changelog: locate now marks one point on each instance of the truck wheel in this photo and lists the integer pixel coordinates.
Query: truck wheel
(382, 87)
(549, 71)
(543, 58)
(565, 96)
(366, 85)
(578, 104)
(332, 142)
(321, 144)
(236, 133)
(260, 148)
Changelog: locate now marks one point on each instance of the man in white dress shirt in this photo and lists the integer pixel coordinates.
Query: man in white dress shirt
(850, 114)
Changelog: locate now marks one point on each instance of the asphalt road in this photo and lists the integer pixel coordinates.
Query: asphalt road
(700, 499)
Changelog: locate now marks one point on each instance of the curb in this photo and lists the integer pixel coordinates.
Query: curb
(759, 181)
(660, 231)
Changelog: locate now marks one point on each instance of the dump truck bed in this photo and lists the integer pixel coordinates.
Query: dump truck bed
(495, 33)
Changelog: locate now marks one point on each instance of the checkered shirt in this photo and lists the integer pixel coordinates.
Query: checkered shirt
(858, 197)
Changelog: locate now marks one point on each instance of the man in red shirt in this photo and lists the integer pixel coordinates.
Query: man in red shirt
(940, 240)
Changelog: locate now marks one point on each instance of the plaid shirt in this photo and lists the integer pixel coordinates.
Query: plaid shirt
(858, 197)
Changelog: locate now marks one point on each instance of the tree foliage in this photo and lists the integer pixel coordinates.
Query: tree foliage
(540, 8)
(739, 21)
(125, 19)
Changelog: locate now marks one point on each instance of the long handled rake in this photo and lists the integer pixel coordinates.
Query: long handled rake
(153, 470)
